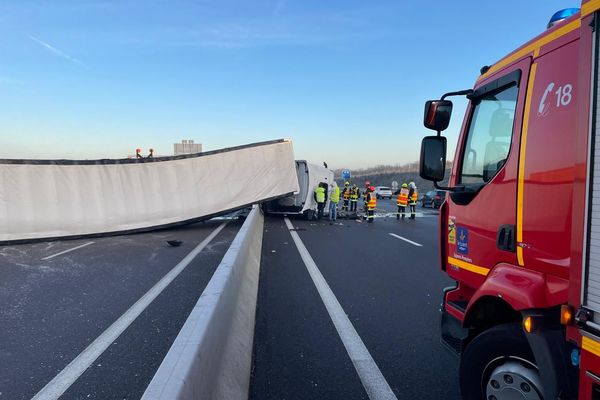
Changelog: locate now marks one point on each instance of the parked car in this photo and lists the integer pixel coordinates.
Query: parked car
(381, 192)
(433, 198)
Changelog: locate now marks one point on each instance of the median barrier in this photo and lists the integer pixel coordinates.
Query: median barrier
(211, 357)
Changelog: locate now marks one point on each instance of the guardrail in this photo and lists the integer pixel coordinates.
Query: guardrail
(212, 355)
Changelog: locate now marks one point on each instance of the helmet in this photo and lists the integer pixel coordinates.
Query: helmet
(347, 183)
(412, 184)
(372, 188)
(404, 185)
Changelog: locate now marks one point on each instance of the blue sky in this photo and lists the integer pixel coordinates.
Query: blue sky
(346, 80)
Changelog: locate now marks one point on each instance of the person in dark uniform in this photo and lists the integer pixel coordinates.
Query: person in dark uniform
(346, 196)
(412, 199)
(320, 196)
(371, 202)
(354, 195)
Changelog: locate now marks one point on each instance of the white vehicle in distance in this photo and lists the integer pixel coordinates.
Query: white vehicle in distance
(381, 192)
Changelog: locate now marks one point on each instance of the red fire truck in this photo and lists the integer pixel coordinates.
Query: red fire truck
(520, 226)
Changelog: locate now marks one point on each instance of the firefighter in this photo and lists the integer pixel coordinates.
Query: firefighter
(371, 202)
(364, 197)
(354, 195)
(321, 198)
(402, 201)
(412, 199)
(346, 196)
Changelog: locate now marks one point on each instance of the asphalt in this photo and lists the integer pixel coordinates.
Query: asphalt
(390, 289)
(51, 310)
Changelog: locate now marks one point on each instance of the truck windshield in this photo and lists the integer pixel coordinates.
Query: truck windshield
(489, 136)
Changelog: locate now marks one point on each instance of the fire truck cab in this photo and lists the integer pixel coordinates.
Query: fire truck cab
(520, 226)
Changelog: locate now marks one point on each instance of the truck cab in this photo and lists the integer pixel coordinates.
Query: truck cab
(520, 227)
(302, 202)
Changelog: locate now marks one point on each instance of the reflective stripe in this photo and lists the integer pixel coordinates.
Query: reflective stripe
(590, 345)
(402, 199)
(320, 195)
(335, 196)
(468, 266)
(521, 173)
(589, 7)
(413, 198)
(372, 203)
(532, 47)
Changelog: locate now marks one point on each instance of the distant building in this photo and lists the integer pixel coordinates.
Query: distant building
(187, 147)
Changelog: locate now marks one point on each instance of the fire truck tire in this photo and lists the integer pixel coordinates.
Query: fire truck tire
(497, 364)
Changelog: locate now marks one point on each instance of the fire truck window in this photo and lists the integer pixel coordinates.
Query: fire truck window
(489, 136)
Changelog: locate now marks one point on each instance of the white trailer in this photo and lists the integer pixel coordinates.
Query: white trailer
(303, 202)
(43, 199)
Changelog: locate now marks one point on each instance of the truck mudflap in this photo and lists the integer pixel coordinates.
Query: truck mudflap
(454, 336)
(552, 356)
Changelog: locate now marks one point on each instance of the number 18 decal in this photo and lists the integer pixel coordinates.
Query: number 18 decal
(563, 98)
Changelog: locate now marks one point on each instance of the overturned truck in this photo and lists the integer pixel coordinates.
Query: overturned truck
(303, 201)
(46, 199)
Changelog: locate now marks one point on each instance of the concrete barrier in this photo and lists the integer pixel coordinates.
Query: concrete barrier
(212, 355)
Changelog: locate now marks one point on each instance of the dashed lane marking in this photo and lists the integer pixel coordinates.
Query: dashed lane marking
(371, 377)
(406, 240)
(67, 251)
(61, 382)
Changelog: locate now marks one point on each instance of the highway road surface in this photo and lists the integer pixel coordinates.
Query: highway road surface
(380, 283)
(345, 311)
(58, 298)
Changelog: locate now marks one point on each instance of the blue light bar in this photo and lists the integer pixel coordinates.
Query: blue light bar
(561, 15)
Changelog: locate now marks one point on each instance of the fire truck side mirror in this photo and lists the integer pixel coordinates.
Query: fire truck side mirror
(437, 114)
(433, 158)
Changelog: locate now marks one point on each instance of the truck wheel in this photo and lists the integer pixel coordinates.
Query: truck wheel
(499, 364)
(310, 214)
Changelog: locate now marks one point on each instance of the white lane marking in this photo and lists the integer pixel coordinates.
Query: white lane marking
(371, 377)
(406, 240)
(67, 251)
(61, 382)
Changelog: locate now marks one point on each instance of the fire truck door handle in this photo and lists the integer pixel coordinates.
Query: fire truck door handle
(505, 239)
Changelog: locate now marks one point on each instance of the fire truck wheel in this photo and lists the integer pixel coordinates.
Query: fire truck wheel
(499, 364)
